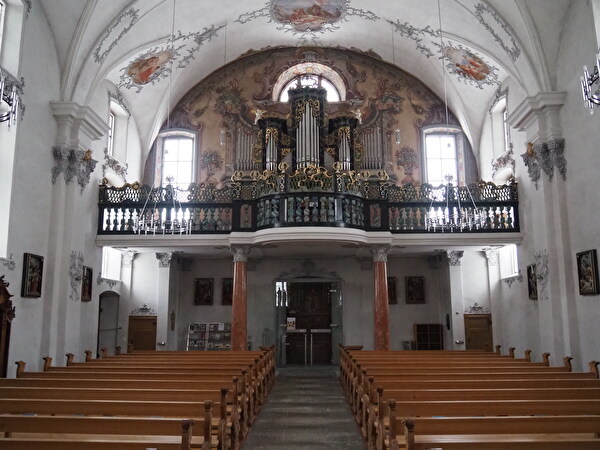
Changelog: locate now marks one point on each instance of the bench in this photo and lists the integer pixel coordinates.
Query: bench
(30, 432)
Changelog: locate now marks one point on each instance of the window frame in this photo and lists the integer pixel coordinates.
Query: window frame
(442, 130)
(2, 16)
(172, 134)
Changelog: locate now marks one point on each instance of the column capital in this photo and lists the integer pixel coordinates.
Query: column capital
(380, 253)
(240, 252)
(454, 257)
(127, 258)
(492, 256)
(164, 259)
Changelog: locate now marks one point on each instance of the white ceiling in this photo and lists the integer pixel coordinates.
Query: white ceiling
(97, 39)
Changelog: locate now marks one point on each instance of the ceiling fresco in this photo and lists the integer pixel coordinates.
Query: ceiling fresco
(307, 17)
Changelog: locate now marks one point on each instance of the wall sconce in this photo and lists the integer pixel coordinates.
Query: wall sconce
(591, 98)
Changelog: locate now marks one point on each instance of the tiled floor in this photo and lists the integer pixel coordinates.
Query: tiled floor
(306, 410)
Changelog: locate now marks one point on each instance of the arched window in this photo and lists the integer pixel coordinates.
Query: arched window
(310, 75)
(177, 149)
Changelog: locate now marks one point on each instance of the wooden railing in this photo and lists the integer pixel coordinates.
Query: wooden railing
(308, 197)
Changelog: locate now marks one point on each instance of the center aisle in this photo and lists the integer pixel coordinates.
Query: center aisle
(306, 410)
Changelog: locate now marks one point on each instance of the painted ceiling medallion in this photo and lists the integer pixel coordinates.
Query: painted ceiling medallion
(466, 64)
(308, 15)
(143, 70)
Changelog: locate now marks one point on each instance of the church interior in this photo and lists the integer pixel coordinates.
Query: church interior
(304, 176)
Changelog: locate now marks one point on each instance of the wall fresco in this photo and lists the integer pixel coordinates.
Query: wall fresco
(222, 108)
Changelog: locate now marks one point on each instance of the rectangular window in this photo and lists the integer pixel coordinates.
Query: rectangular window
(111, 263)
(2, 14)
(178, 161)
(509, 264)
(111, 133)
(506, 129)
(441, 158)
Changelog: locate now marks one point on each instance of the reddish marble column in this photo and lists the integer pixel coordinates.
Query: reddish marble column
(239, 310)
(380, 307)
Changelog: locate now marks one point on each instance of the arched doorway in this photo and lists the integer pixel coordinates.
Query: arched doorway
(108, 322)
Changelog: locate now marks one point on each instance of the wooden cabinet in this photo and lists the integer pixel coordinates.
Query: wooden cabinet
(7, 313)
(428, 336)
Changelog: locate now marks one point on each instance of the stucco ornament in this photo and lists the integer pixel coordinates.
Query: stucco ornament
(73, 163)
(542, 272)
(75, 274)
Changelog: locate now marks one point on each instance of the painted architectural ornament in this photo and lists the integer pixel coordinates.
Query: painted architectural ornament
(465, 63)
(486, 15)
(157, 63)
(454, 257)
(109, 282)
(307, 17)
(115, 32)
(510, 280)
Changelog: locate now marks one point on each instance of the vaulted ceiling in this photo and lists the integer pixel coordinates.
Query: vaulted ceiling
(481, 44)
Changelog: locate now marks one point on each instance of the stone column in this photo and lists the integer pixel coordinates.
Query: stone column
(162, 299)
(493, 265)
(239, 309)
(381, 311)
(456, 299)
(125, 300)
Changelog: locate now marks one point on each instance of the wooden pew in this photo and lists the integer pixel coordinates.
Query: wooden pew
(506, 432)
(201, 412)
(64, 432)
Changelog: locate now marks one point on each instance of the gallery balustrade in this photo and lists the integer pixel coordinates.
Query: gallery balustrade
(310, 196)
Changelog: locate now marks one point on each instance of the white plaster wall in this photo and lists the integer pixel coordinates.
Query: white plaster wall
(357, 296)
(31, 190)
(580, 129)
(144, 282)
(475, 280)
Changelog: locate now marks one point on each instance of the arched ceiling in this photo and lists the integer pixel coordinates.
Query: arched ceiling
(481, 44)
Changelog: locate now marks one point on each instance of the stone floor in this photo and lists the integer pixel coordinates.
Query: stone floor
(306, 410)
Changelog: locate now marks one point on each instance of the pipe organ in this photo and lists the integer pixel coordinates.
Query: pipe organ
(309, 135)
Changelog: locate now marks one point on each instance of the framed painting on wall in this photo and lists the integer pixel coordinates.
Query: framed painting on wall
(587, 272)
(532, 282)
(415, 290)
(33, 268)
(203, 293)
(227, 293)
(86, 284)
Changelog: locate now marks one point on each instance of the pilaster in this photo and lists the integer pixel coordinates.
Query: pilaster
(381, 313)
(456, 299)
(162, 299)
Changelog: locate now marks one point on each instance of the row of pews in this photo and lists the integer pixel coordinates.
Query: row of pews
(418, 400)
(142, 400)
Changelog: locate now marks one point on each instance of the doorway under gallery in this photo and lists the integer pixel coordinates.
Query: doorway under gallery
(308, 321)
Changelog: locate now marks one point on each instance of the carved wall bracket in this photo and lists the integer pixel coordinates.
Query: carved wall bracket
(545, 156)
(73, 164)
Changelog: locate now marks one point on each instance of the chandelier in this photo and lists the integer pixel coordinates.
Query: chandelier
(168, 218)
(453, 215)
(591, 98)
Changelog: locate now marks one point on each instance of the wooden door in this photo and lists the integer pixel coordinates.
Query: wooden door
(142, 332)
(108, 321)
(478, 332)
(310, 305)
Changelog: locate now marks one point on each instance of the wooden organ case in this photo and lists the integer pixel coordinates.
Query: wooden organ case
(309, 137)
